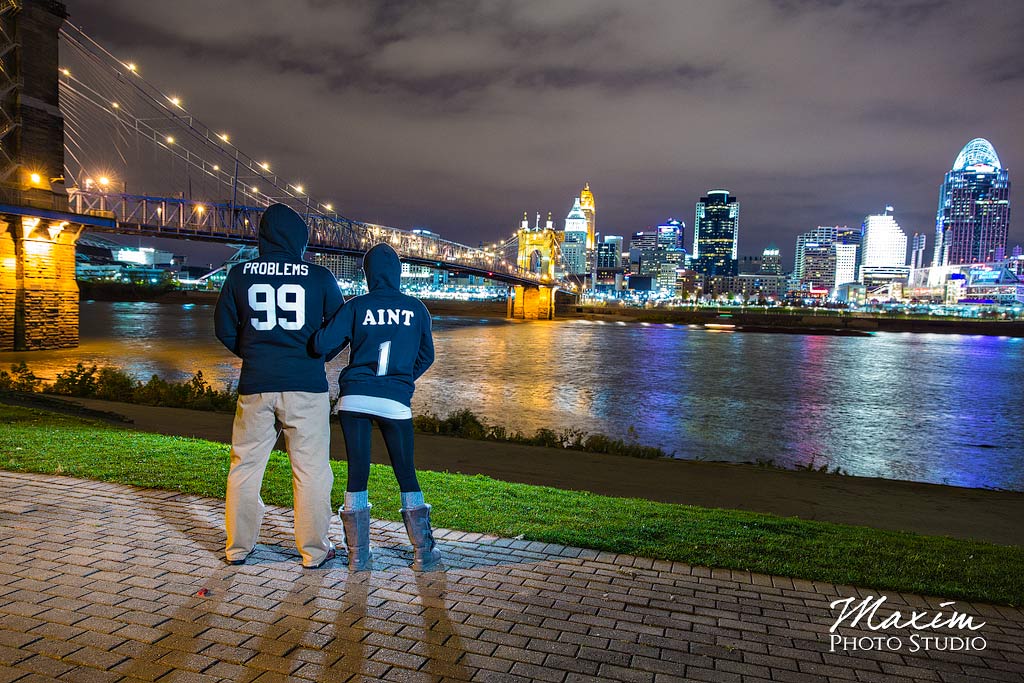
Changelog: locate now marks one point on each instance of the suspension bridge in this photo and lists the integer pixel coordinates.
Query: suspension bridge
(78, 127)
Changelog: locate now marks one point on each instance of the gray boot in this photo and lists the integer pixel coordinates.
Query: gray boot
(425, 553)
(357, 538)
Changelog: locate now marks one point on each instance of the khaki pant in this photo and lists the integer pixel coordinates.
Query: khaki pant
(304, 417)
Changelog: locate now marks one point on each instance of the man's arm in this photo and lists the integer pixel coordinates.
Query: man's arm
(333, 301)
(335, 335)
(225, 317)
(425, 355)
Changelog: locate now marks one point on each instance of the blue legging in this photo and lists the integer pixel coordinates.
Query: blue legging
(356, 428)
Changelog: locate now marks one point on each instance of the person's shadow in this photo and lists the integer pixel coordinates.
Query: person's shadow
(445, 657)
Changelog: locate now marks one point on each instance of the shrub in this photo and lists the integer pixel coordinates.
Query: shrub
(464, 423)
(79, 381)
(20, 378)
(114, 384)
(427, 423)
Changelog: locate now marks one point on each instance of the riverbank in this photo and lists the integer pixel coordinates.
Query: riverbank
(929, 509)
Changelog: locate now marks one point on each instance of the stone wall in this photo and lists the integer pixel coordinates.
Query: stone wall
(533, 303)
(39, 304)
(8, 287)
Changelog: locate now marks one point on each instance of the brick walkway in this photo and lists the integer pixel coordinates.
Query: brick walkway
(99, 582)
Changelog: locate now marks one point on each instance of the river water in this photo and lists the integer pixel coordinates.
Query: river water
(922, 407)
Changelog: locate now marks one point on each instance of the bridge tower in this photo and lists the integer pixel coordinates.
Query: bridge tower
(38, 292)
(538, 253)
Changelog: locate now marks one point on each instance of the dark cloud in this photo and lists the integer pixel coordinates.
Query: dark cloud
(460, 115)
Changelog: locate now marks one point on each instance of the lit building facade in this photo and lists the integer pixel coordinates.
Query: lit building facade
(638, 243)
(819, 269)
(574, 243)
(670, 234)
(716, 229)
(973, 219)
(342, 266)
(609, 273)
(823, 234)
(883, 243)
(609, 254)
(845, 258)
(771, 261)
(883, 258)
(589, 208)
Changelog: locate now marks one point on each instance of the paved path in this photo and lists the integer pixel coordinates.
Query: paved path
(103, 582)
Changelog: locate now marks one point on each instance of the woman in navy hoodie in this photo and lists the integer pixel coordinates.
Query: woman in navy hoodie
(391, 346)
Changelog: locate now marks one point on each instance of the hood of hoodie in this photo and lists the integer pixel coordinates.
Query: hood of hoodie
(382, 267)
(282, 231)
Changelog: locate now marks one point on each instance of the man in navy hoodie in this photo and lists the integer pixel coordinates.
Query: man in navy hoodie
(391, 346)
(267, 311)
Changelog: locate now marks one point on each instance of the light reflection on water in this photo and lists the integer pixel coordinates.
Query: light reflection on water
(938, 408)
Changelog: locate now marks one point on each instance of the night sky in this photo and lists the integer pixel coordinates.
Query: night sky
(458, 116)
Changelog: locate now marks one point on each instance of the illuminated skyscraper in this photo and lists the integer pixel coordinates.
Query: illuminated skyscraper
(609, 252)
(590, 211)
(771, 261)
(716, 228)
(823, 234)
(819, 271)
(974, 208)
(883, 241)
(574, 246)
(883, 249)
(670, 234)
(847, 252)
(845, 258)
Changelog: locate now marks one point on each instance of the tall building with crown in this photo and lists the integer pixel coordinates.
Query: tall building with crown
(586, 204)
(574, 244)
(973, 219)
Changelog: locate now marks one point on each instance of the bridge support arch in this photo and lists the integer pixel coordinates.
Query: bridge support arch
(531, 302)
(38, 292)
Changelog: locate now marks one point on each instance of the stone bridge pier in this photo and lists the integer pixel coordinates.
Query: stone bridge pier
(531, 302)
(38, 292)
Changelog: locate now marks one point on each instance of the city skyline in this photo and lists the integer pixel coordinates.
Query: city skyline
(522, 105)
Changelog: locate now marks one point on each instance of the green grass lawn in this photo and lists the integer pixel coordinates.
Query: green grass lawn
(37, 441)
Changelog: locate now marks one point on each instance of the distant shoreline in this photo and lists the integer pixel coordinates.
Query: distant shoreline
(795, 321)
(769, 321)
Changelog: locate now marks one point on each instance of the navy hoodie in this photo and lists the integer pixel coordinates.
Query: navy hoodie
(270, 307)
(389, 333)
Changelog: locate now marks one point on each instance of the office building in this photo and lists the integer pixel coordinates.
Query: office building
(574, 244)
(973, 218)
(716, 234)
